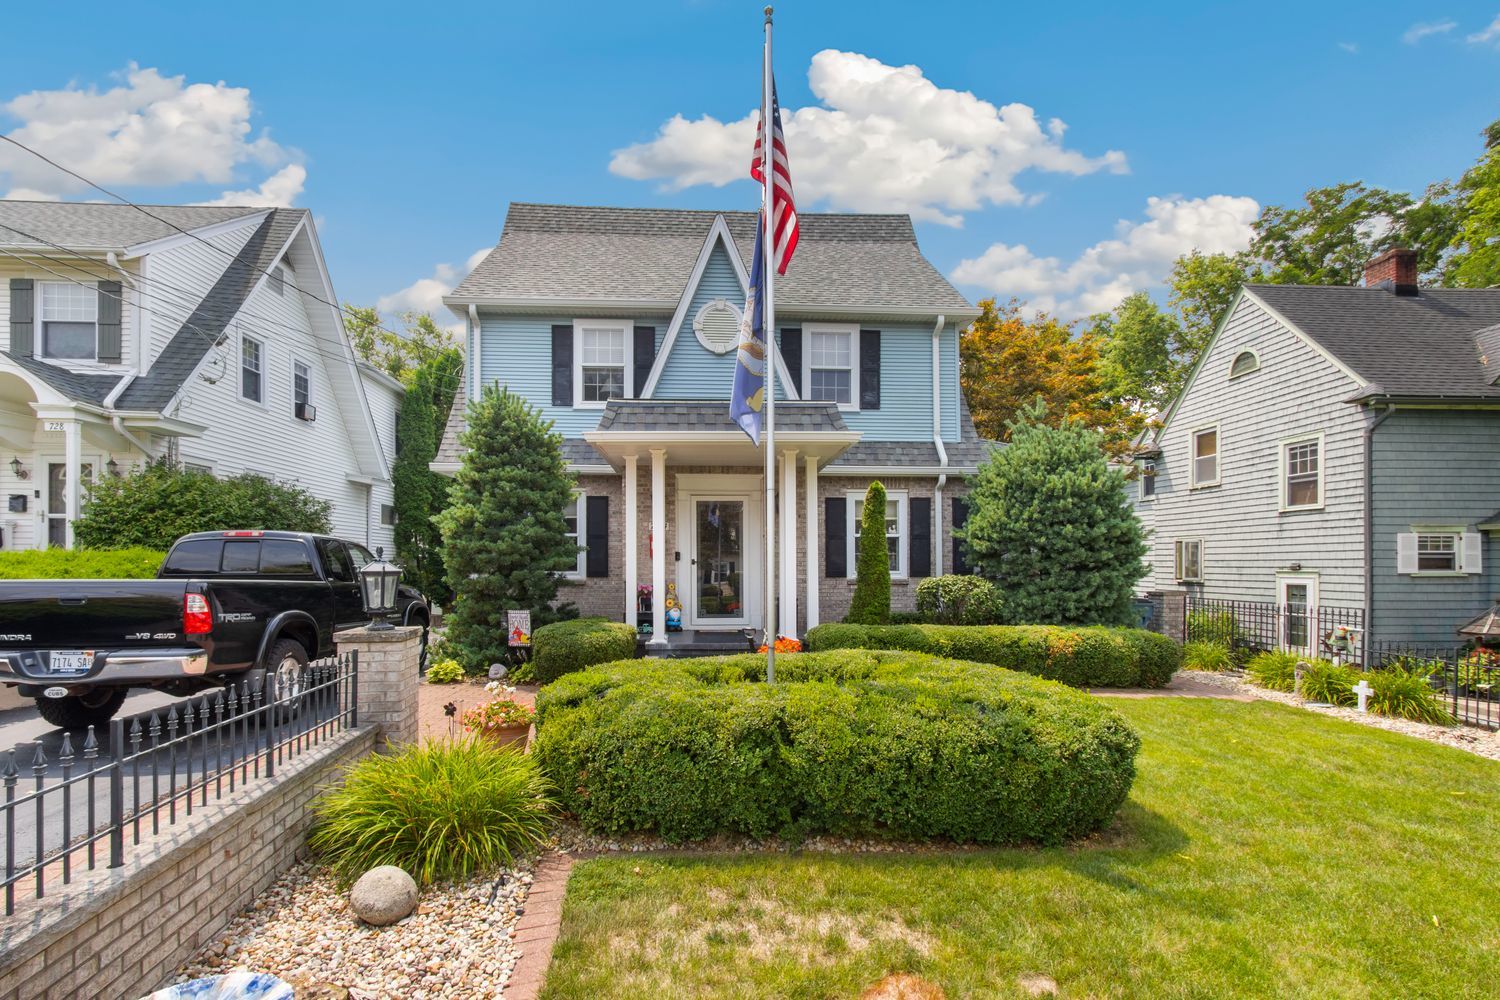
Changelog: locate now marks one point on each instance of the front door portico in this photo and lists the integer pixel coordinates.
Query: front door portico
(720, 531)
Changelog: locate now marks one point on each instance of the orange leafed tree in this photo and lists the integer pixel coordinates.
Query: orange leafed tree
(1007, 361)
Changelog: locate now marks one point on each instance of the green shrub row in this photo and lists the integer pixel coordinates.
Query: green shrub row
(1088, 656)
(563, 647)
(81, 564)
(848, 743)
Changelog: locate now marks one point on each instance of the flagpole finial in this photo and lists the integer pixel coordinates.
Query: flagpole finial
(769, 10)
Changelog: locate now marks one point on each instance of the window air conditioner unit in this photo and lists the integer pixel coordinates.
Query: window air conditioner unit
(307, 411)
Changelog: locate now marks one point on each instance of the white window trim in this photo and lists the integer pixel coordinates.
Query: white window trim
(39, 328)
(1192, 454)
(852, 329)
(1461, 534)
(292, 363)
(628, 326)
(711, 306)
(1177, 560)
(903, 528)
(1148, 497)
(1313, 583)
(1235, 359)
(265, 369)
(1281, 472)
(580, 571)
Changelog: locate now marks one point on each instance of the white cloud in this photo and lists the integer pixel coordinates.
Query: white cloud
(1423, 29)
(148, 130)
(277, 191)
(1489, 34)
(886, 140)
(426, 294)
(1350, 47)
(1138, 257)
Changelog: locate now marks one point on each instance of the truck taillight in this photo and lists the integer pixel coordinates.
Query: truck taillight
(197, 619)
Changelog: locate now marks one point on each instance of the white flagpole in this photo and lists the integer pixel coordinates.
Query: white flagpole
(768, 171)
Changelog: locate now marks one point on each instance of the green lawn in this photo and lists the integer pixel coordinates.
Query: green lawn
(1265, 851)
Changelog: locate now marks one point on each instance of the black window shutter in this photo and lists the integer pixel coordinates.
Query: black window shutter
(960, 515)
(109, 322)
(645, 354)
(791, 355)
(919, 548)
(22, 308)
(835, 536)
(562, 365)
(596, 518)
(869, 369)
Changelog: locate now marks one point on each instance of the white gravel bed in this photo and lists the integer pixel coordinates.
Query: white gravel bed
(456, 945)
(1470, 738)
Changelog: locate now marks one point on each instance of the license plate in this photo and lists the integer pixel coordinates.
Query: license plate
(70, 661)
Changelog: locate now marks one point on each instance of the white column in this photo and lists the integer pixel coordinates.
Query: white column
(813, 553)
(632, 533)
(788, 624)
(659, 545)
(73, 451)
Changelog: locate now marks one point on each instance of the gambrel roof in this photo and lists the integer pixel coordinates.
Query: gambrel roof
(644, 256)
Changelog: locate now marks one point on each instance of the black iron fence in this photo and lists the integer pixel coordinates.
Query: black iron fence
(1467, 680)
(87, 803)
(1249, 627)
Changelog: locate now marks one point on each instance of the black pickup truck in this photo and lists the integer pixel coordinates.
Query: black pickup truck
(224, 605)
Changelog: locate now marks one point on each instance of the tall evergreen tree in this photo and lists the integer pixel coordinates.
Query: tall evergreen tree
(871, 604)
(1050, 523)
(421, 494)
(504, 537)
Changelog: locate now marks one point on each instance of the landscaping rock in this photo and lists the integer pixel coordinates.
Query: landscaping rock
(383, 895)
(1034, 984)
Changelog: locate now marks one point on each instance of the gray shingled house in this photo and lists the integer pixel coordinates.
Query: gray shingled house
(621, 325)
(1337, 447)
(204, 333)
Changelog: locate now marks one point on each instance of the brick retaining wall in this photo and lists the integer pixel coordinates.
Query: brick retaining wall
(122, 933)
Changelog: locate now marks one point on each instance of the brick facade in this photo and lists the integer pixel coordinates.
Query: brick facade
(388, 679)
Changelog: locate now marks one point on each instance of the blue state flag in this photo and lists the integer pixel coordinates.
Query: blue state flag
(745, 406)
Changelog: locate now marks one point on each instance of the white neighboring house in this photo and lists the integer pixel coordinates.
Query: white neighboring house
(124, 338)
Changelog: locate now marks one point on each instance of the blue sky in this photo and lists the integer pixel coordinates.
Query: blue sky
(407, 129)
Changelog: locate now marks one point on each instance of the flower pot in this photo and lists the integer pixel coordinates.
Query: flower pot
(506, 736)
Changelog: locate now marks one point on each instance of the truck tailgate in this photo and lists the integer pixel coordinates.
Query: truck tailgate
(90, 614)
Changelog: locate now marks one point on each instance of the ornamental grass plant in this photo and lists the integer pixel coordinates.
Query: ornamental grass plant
(436, 810)
(1209, 656)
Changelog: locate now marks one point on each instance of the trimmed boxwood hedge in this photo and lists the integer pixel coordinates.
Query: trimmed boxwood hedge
(564, 647)
(1090, 656)
(80, 564)
(849, 743)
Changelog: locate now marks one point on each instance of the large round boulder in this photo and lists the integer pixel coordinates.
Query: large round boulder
(383, 895)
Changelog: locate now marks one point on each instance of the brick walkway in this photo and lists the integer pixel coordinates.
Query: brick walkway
(537, 930)
(433, 724)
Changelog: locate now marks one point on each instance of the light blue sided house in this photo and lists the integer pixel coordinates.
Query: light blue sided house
(1338, 447)
(621, 325)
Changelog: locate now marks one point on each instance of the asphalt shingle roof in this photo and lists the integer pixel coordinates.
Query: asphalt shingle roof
(177, 361)
(712, 415)
(80, 226)
(450, 452)
(646, 254)
(74, 385)
(1423, 345)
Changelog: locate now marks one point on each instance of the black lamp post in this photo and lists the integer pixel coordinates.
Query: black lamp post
(377, 587)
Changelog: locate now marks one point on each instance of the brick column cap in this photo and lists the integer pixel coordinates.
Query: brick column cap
(364, 636)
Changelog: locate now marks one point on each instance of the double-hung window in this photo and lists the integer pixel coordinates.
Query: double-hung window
(1148, 479)
(301, 390)
(573, 516)
(603, 360)
(1439, 550)
(830, 364)
(1188, 560)
(1437, 553)
(1302, 473)
(70, 321)
(895, 531)
(1205, 456)
(252, 370)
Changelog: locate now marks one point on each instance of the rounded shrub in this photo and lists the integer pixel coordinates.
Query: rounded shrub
(1089, 656)
(436, 810)
(958, 599)
(563, 647)
(849, 743)
(446, 671)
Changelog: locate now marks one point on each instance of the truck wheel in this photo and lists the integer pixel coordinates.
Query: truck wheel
(79, 711)
(283, 677)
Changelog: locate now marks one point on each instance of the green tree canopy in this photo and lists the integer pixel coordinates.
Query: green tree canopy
(1476, 259)
(1144, 354)
(421, 494)
(398, 354)
(1050, 523)
(504, 537)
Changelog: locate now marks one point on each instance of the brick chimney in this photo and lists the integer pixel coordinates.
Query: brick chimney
(1395, 270)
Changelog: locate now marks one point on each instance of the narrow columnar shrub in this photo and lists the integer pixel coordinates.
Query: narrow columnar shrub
(1273, 670)
(1332, 683)
(848, 743)
(958, 599)
(80, 564)
(871, 603)
(436, 810)
(1090, 656)
(1205, 656)
(563, 647)
(1407, 693)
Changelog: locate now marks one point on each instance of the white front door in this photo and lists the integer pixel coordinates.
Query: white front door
(1298, 597)
(721, 534)
(55, 513)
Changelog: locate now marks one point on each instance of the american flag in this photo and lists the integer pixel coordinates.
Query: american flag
(783, 205)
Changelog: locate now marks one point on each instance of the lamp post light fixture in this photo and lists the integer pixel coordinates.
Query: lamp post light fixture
(112, 467)
(377, 587)
(17, 469)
